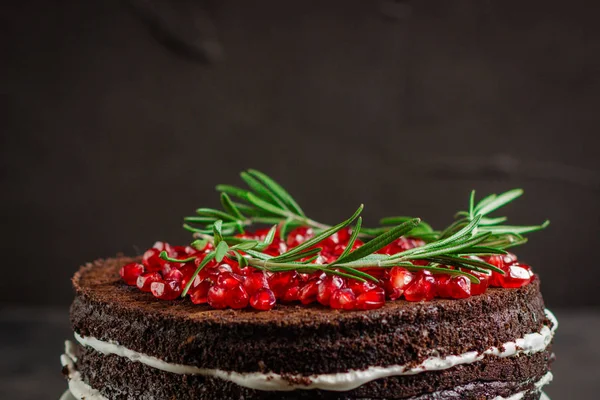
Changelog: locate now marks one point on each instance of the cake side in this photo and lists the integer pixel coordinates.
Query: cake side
(297, 339)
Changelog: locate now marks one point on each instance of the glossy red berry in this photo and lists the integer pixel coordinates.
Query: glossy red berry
(372, 299)
(398, 280)
(308, 291)
(130, 273)
(343, 299)
(144, 281)
(229, 280)
(299, 235)
(327, 286)
(152, 261)
(236, 297)
(442, 288)
(279, 282)
(481, 287)
(173, 275)
(422, 288)
(217, 297)
(166, 290)
(516, 275)
(292, 294)
(359, 287)
(459, 287)
(255, 281)
(199, 293)
(263, 300)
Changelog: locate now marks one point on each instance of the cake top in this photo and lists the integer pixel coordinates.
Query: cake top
(231, 263)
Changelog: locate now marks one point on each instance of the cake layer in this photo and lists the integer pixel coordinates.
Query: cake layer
(506, 376)
(298, 339)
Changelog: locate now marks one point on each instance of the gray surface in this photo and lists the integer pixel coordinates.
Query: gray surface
(32, 340)
(108, 137)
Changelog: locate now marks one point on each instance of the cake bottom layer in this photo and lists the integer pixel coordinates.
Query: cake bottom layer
(117, 378)
(68, 396)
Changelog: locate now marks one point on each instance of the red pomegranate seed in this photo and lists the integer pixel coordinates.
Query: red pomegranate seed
(130, 273)
(359, 287)
(262, 300)
(152, 261)
(481, 287)
(292, 294)
(236, 297)
(199, 293)
(516, 275)
(279, 282)
(343, 299)
(422, 288)
(255, 281)
(397, 282)
(299, 235)
(459, 287)
(442, 282)
(166, 290)
(229, 280)
(327, 287)
(144, 281)
(308, 292)
(217, 297)
(372, 299)
(173, 275)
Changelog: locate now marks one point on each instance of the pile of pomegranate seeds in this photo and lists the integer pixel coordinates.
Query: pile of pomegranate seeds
(226, 285)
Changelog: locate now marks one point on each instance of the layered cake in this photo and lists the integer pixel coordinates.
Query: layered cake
(304, 310)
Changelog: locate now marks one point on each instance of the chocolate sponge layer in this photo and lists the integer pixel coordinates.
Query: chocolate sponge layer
(297, 339)
(118, 378)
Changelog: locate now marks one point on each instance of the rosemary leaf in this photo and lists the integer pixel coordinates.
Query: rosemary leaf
(379, 242)
(202, 264)
(279, 191)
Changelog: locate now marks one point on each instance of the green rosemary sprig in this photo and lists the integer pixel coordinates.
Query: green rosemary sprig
(452, 251)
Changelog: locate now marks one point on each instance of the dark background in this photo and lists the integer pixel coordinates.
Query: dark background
(112, 129)
(119, 118)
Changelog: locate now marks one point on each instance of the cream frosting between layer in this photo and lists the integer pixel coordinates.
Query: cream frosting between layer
(342, 381)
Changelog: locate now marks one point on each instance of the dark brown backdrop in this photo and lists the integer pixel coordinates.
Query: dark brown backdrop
(109, 136)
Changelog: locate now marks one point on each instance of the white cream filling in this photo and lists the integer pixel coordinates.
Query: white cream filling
(537, 387)
(77, 387)
(341, 381)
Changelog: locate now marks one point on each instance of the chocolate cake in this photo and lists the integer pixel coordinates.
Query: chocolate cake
(416, 329)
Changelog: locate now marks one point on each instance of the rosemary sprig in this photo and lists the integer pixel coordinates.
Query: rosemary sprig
(451, 251)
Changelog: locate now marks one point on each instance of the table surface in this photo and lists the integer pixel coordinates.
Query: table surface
(31, 341)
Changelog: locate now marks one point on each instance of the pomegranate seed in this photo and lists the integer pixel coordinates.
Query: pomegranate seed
(292, 294)
(481, 287)
(279, 282)
(217, 297)
(255, 281)
(308, 292)
(229, 280)
(199, 293)
(372, 299)
(174, 275)
(299, 235)
(327, 287)
(144, 281)
(130, 273)
(398, 281)
(459, 287)
(516, 275)
(359, 287)
(236, 297)
(152, 261)
(422, 288)
(442, 287)
(343, 299)
(166, 290)
(262, 300)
